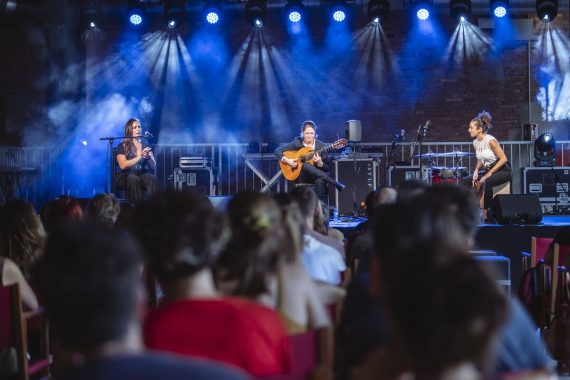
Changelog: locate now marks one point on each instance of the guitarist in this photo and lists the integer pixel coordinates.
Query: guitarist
(316, 174)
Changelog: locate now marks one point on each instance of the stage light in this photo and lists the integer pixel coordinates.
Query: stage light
(422, 9)
(212, 11)
(255, 12)
(136, 16)
(339, 11)
(378, 10)
(294, 10)
(91, 14)
(547, 10)
(173, 13)
(500, 8)
(460, 9)
(545, 150)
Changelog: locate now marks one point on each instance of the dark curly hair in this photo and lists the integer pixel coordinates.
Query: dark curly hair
(181, 233)
(22, 234)
(483, 120)
(256, 245)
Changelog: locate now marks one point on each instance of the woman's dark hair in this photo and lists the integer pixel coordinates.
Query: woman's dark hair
(181, 233)
(103, 209)
(483, 120)
(256, 245)
(62, 210)
(128, 143)
(88, 279)
(22, 234)
(443, 312)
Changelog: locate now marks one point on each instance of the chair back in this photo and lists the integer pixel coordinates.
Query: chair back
(539, 247)
(14, 325)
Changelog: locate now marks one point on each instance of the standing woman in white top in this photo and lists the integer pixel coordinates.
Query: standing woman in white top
(492, 167)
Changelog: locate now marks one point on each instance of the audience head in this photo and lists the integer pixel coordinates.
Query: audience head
(256, 246)
(62, 210)
(181, 233)
(22, 234)
(88, 280)
(380, 196)
(442, 312)
(307, 200)
(410, 188)
(293, 222)
(103, 209)
(422, 271)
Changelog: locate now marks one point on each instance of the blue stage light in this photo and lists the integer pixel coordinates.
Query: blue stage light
(294, 16)
(378, 10)
(339, 15)
(212, 17)
(500, 11)
(422, 14)
(173, 13)
(255, 12)
(135, 19)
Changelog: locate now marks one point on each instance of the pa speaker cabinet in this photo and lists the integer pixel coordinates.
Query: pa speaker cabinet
(549, 184)
(195, 179)
(516, 209)
(399, 174)
(366, 174)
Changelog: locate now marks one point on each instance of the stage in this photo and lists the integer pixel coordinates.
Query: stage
(506, 240)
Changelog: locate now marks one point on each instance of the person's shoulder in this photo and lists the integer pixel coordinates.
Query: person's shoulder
(153, 366)
(121, 148)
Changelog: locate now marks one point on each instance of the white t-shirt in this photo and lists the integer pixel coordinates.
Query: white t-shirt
(322, 262)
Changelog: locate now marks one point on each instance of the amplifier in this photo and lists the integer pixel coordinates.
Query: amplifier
(367, 173)
(550, 184)
(200, 180)
(399, 174)
(194, 162)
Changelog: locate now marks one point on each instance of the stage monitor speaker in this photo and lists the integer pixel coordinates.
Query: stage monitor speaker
(199, 180)
(353, 130)
(367, 172)
(516, 209)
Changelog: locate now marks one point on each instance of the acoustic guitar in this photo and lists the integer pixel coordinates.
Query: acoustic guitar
(305, 156)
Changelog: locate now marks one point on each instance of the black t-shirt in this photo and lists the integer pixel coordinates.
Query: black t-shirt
(152, 367)
(140, 167)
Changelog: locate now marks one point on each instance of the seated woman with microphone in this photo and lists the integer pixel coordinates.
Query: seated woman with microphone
(137, 163)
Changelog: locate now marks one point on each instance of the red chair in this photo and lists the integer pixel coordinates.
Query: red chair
(14, 327)
(312, 356)
(538, 248)
(560, 252)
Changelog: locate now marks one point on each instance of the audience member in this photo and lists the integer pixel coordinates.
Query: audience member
(62, 210)
(103, 209)
(300, 301)
(321, 261)
(89, 281)
(22, 234)
(182, 234)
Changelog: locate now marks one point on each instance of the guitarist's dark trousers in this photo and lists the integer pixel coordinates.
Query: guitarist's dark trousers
(311, 174)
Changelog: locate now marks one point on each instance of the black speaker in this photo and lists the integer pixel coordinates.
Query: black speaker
(367, 172)
(516, 209)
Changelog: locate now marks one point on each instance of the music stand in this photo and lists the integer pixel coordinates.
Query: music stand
(353, 131)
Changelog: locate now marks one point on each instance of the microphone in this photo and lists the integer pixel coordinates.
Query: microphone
(149, 135)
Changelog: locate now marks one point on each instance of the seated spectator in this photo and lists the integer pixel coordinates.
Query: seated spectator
(321, 261)
(89, 281)
(444, 313)
(299, 300)
(22, 234)
(103, 209)
(62, 210)
(10, 274)
(182, 234)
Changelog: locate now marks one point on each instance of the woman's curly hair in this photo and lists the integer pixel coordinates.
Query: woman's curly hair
(483, 120)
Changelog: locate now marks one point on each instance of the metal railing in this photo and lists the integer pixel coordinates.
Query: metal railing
(232, 167)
